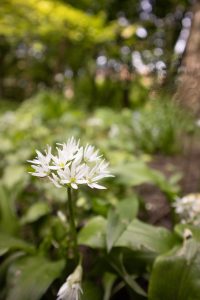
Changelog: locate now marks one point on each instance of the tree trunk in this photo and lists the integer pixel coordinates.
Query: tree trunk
(188, 91)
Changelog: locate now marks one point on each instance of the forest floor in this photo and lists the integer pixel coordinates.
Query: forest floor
(187, 162)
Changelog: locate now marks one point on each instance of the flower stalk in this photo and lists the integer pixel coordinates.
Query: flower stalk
(72, 225)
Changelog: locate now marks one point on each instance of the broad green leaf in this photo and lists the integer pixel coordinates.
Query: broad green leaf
(100, 207)
(175, 275)
(195, 230)
(30, 277)
(141, 236)
(35, 212)
(7, 261)
(93, 234)
(91, 291)
(108, 282)
(136, 262)
(8, 220)
(137, 172)
(119, 219)
(13, 175)
(115, 228)
(128, 209)
(3, 251)
(133, 173)
(11, 243)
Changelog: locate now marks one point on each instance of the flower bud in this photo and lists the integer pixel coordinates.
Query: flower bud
(71, 289)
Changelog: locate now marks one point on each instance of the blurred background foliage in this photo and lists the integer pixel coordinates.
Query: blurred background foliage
(88, 49)
(104, 71)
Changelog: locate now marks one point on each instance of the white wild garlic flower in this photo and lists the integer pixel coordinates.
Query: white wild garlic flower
(73, 165)
(71, 289)
(188, 208)
(41, 163)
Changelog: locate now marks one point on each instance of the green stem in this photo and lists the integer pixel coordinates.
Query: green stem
(72, 223)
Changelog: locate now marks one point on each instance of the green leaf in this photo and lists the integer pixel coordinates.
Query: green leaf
(35, 212)
(30, 277)
(115, 228)
(117, 262)
(13, 175)
(136, 236)
(108, 282)
(93, 234)
(141, 236)
(11, 243)
(137, 172)
(128, 209)
(7, 261)
(8, 220)
(100, 206)
(176, 275)
(130, 280)
(180, 229)
(90, 291)
(133, 173)
(119, 219)
(136, 262)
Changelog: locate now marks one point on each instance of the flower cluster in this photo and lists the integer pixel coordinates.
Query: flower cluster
(188, 208)
(71, 289)
(73, 165)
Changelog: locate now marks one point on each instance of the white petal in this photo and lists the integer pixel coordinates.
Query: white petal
(35, 161)
(96, 186)
(55, 182)
(38, 174)
(81, 181)
(74, 186)
(65, 181)
(54, 167)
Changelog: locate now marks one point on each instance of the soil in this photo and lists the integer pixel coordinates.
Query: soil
(188, 164)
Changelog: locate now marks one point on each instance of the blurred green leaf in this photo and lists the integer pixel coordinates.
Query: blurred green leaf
(128, 209)
(11, 243)
(13, 175)
(130, 280)
(108, 282)
(119, 219)
(3, 270)
(30, 277)
(35, 212)
(91, 291)
(117, 262)
(175, 275)
(195, 230)
(8, 220)
(157, 126)
(136, 236)
(141, 236)
(133, 173)
(137, 172)
(93, 234)
(100, 207)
